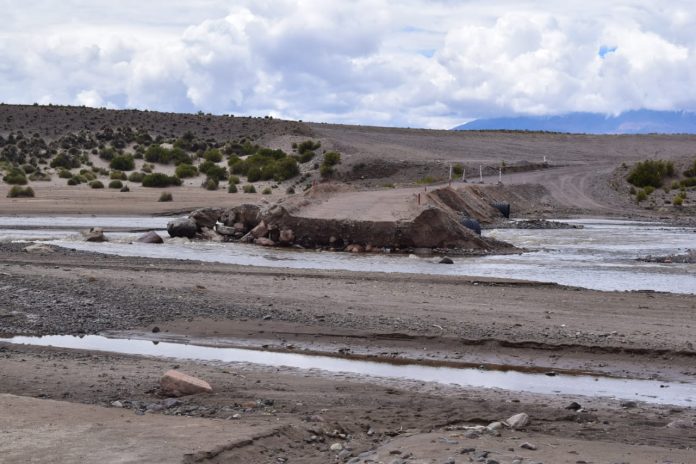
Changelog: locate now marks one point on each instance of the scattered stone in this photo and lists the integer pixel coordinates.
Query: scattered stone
(446, 260)
(263, 241)
(629, 404)
(574, 406)
(175, 383)
(472, 434)
(493, 426)
(449, 461)
(116, 404)
(95, 234)
(517, 421)
(38, 248)
(336, 447)
(681, 424)
(528, 446)
(150, 237)
(354, 248)
(182, 227)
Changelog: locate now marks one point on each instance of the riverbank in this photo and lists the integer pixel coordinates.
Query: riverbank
(434, 319)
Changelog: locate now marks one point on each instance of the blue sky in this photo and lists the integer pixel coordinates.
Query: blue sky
(417, 63)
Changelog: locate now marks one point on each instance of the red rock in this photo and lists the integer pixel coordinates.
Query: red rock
(175, 383)
(261, 230)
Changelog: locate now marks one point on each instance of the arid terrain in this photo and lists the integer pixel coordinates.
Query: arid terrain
(85, 405)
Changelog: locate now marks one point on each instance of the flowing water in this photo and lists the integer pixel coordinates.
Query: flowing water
(586, 385)
(600, 256)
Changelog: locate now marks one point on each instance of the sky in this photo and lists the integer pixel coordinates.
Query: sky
(408, 63)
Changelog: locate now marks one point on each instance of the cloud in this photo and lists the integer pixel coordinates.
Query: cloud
(407, 63)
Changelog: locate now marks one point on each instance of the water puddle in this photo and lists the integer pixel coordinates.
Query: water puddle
(649, 391)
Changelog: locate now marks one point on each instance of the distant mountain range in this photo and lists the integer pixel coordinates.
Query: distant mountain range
(630, 122)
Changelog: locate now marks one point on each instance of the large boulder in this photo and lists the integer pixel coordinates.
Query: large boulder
(175, 383)
(95, 234)
(39, 248)
(150, 237)
(286, 237)
(182, 227)
(261, 230)
(249, 215)
(206, 217)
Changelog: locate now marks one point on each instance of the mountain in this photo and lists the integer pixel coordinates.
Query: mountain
(630, 122)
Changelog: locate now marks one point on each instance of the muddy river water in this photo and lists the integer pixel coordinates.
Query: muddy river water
(602, 255)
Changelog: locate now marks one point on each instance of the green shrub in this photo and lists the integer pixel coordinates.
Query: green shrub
(63, 160)
(213, 171)
(15, 177)
(64, 174)
(254, 174)
(691, 172)
(426, 180)
(20, 192)
(39, 176)
(326, 170)
(675, 185)
(234, 159)
(210, 184)
(267, 191)
(641, 196)
(249, 188)
(118, 175)
(136, 177)
(184, 171)
(332, 158)
(87, 175)
(688, 182)
(285, 169)
(122, 163)
(166, 196)
(107, 154)
(147, 168)
(213, 155)
(650, 173)
(28, 168)
(115, 184)
(457, 171)
(233, 180)
(677, 200)
(158, 179)
(649, 190)
(76, 180)
(96, 184)
(232, 188)
(159, 154)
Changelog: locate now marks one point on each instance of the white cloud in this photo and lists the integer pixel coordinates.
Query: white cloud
(409, 63)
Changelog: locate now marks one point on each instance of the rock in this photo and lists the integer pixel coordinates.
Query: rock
(225, 230)
(446, 260)
(175, 383)
(171, 403)
(336, 447)
(206, 217)
(494, 426)
(517, 421)
(449, 461)
(249, 215)
(267, 242)
(287, 236)
(574, 406)
(629, 404)
(95, 234)
(472, 434)
(681, 424)
(150, 237)
(183, 227)
(261, 230)
(39, 248)
(210, 234)
(155, 330)
(354, 248)
(528, 446)
(116, 404)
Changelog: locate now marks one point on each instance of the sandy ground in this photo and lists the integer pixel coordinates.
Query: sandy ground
(450, 320)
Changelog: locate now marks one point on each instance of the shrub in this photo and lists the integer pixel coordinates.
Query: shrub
(15, 177)
(233, 180)
(426, 180)
(166, 196)
(688, 182)
(210, 184)
(159, 154)
(649, 190)
(39, 176)
(267, 191)
(184, 171)
(213, 155)
(232, 188)
(285, 169)
(136, 177)
(96, 184)
(158, 179)
(64, 174)
(249, 189)
(28, 168)
(118, 175)
(332, 158)
(691, 172)
(457, 171)
(107, 154)
(147, 168)
(675, 185)
(253, 174)
(87, 175)
(641, 196)
(677, 200)
(307, 145)
(650, 173)
(213, 171)
(20, 192)
(326, 170)
(115, 184)
(122, 163)
(75, 180)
